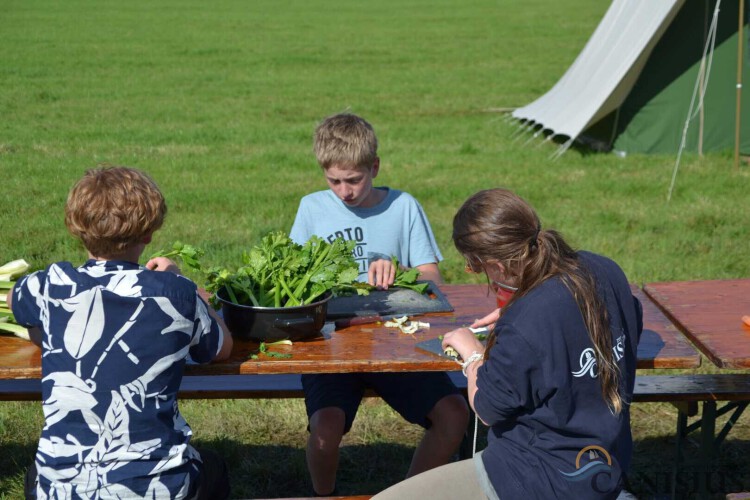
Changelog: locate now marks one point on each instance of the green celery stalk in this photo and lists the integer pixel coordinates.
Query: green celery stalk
(292, 300)
(15, 329)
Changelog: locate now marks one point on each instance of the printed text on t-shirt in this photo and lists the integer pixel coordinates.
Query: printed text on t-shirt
(356, 234)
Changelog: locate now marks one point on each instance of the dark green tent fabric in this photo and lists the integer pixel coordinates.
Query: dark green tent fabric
(652, 117)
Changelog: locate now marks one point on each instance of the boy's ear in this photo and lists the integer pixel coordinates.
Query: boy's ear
(375, 167)
(147, 239)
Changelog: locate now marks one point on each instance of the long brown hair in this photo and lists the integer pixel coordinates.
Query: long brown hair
(497, 225)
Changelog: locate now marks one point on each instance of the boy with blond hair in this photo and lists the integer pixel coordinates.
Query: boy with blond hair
(115, 337)
(383, 222)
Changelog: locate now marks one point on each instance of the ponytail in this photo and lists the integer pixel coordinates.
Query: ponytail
(497, 225)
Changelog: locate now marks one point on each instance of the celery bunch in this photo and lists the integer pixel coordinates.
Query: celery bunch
(8, 273)
(277, 272)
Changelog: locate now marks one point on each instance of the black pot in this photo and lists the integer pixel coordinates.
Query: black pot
(274, 323)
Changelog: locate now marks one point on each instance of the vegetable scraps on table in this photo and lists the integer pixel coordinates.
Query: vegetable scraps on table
(263, 350)
(408, 328)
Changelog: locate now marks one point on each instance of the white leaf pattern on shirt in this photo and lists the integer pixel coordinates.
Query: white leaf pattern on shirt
(86, 324)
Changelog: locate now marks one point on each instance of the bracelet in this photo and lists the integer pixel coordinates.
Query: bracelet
(475, 356)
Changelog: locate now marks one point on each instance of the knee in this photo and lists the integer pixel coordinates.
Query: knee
(451, 415)
(327, 428)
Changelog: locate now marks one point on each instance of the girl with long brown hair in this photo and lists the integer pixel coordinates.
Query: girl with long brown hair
(555, 379)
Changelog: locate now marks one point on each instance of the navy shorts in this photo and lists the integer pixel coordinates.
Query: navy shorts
(412, 395)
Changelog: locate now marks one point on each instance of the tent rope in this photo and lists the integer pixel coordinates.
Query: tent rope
(562, 149)
(701, 84)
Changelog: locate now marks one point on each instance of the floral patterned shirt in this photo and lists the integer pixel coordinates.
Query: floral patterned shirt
(115, 339)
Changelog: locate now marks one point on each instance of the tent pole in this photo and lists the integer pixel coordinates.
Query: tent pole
(702, 84)
(740, 45)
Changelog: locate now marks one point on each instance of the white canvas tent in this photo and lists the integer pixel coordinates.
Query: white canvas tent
(615, 76)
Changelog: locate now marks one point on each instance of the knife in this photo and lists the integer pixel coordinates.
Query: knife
(435, 346)
(370, 318)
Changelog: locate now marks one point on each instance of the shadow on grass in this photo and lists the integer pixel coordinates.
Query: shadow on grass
(15, 458)
(278, 471)
(652, 470)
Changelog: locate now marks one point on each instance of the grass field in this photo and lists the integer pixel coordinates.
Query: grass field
(218, 101)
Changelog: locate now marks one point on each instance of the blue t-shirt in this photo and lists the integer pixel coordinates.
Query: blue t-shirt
(115, 339)
(395, 226)
(552, 435)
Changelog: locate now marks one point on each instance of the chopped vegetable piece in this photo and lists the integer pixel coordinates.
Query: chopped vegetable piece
(410, 328)
(401, 324)
(449, 351)
(263, 349)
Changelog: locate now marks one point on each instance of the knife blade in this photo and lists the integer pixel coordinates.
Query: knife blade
(373, 318)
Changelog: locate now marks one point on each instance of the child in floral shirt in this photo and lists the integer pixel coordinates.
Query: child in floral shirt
(115, 337)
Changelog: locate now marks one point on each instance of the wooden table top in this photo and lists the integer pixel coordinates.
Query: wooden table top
(373, 347)
(709, 313)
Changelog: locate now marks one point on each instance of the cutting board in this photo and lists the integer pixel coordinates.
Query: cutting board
(391, 302)
(433, 346)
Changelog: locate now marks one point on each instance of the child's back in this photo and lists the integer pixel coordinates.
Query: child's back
(114, 349)
(115, 338)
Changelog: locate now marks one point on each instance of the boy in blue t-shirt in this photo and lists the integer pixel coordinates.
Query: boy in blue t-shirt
(383, 222)
(115, 337)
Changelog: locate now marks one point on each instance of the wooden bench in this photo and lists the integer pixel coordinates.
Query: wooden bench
(349, 497)
(683, 391)
(678, 389)
(352, 497)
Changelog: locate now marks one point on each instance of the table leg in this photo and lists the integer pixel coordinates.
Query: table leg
(708, 432)
(681, 435)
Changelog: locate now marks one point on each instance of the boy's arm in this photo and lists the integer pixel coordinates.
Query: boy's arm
(164, 264)
(35, 334)
(228, 342)
(430, 272)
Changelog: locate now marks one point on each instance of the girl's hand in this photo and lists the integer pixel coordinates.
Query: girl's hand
(162, 264)
(463, 341)
(488, 321)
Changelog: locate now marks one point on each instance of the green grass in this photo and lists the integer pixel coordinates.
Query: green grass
(218, 102)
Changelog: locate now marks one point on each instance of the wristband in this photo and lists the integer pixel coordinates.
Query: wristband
(475, 356)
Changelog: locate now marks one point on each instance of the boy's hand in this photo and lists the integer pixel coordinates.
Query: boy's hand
(381, 273)
(162, 264)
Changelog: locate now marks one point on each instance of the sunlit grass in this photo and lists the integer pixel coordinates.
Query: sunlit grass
(218, 102)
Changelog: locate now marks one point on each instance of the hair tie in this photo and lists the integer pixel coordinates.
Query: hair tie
(534, 241)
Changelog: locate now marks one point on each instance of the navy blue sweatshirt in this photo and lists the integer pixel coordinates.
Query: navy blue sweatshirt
(552, 434)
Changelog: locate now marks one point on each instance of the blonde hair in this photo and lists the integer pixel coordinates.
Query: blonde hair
(112, 208)
(345, 140)
(497, 225)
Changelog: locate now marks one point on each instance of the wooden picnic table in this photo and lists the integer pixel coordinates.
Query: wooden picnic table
(709, 313)
(375, 348)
